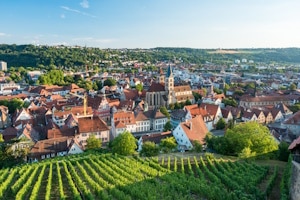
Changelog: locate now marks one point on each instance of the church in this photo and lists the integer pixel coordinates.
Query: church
(163, 91)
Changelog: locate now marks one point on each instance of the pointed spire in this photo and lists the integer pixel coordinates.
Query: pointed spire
(169, 72)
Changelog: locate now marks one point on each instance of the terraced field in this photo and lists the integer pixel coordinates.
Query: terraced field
(109, 176)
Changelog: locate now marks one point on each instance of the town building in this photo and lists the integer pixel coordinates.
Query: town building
(3, 66)
(164, 92)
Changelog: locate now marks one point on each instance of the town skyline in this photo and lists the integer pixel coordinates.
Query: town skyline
(142, 24)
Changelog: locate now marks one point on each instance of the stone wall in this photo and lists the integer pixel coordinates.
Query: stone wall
(295, 182)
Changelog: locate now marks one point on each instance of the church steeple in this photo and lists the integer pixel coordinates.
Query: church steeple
(161, 77)
(169, 85)
(169, 82)
(169, 72)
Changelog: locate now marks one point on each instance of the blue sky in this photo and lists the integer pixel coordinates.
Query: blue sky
(152, 23)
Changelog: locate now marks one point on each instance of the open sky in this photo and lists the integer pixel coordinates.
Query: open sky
(152, 23)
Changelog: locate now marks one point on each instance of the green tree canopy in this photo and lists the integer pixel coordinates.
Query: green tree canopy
(283, 151)
(197, 96)
(124, 144)
(168, 144)
(220, 124)
(149, 149)
(1, 138)
(139, 87)
(197, 146)
(93, 142)
(293, 86)
(13, 104)
(230, 101)
(168, 126)
(253, 135)
(164, 111)
(110, 82)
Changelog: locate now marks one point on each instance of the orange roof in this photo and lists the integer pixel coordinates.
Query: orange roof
(210, 108)
(88, 125)
(124, 117)
(195, 129)
(120, 125)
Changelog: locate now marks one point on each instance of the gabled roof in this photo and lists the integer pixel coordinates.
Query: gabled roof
(154, 114)
(54, 145)
(124, 117)
(210, 108)
(178, 114)
(295, 143)
(156, 138)
(133, 94)
(275, 112)
(195, 129)
(120, 125)
(9, 133)
(225, 112)
(283, 108)
(88, 125)
(156, 87)
(141, 116)
(294, 119)
(249, 115)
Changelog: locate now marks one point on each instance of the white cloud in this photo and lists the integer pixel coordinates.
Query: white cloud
(85, 4)
(3, 35)
(62, 16)
(77, 11)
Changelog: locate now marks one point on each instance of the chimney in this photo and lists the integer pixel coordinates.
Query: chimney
(191, 125)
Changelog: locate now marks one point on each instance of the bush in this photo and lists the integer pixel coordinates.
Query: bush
(149, 149)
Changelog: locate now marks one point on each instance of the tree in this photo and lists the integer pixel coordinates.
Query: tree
(110, 82)
(230, 101)
(168, 144)
(197, 96)
(197, 146)
(293, 86)
(218, 91)
(139, 87)
(1, 138)
(177, 106)
(168, 126)
(220, 124)
(149, 149)
(13, 104)
(93, 142)
(250, 134)
(246, 153)
(283, 151)
(124, 144)
(164, 111)
(188, 102)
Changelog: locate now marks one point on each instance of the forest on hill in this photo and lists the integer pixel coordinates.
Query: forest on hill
(68, 57)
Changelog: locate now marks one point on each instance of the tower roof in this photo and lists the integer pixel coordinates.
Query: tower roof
(169, 72)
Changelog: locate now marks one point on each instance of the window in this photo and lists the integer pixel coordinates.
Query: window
(84, 134)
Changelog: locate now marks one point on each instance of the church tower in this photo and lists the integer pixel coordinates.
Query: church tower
(161, 76)
(169, 85)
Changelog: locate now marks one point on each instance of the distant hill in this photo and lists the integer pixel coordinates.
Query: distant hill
(70, 57)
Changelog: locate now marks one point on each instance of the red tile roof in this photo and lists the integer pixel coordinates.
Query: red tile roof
(156, 87)
(295, 143)
(195, 129)
(88, 125)
(294, 119)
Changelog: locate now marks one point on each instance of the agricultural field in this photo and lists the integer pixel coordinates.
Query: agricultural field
(109, 176)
